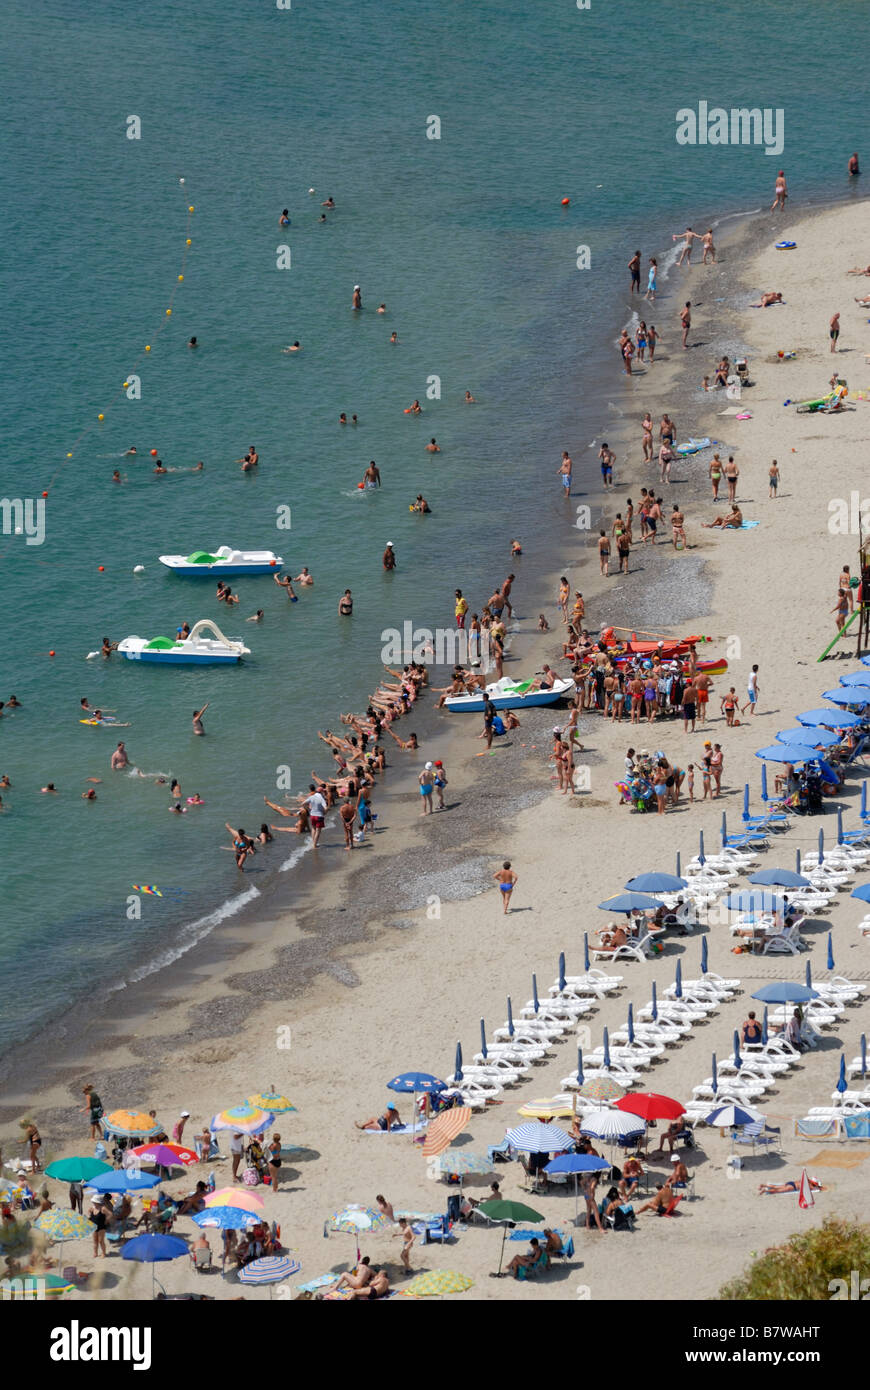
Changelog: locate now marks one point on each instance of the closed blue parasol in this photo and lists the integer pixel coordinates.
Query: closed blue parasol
(738, 1060)
(655, 1006)
(830, 961)
(535, 1000)
(764, 1032)
(457, 1070)
(483, 1047)
(579, 1066)
(606, 1050)
(703, 955)
(510, 1019)
(678, 980)
(631, 1023)
(586, 952)
(842, 1083)
(715, 1078)
(863, 1054)
(561, 971)
(808, 976)
(702, 859)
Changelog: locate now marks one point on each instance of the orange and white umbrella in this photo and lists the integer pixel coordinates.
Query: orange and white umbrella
(236, 1197)
(444, 1129)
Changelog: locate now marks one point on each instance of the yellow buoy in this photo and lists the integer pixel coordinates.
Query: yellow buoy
(69, 456)
(181, 277)
(189, 241)
(190, 209)
(147, 347)
(124, 385)
(169, 311)
(100, 417)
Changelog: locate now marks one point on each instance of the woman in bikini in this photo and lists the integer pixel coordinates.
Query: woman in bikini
(781, 192)
(715, 471)
(646, 425)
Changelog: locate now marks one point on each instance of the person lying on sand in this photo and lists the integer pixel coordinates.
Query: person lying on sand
(358, 1278)
(387, 1121)
(767, 1189)
(859, 270)
(734, 520)
(769, 297)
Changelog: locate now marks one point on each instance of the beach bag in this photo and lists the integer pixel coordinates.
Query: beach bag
(250, 1177)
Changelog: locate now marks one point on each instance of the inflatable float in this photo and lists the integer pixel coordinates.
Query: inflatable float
(693, 446)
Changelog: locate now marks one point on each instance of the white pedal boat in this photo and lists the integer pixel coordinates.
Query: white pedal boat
(510, 694)
(195, 650)
(224, 561)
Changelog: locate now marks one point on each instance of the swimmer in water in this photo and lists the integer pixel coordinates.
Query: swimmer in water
(159, 468)
(304, 577)
(372, 475)
(107, 647)
(49, 787)
(415, 408)
(382, 308)
(294, 347)
(420, 504)
(394, 337)
(12, 703)
(516, 548)
(177, 809)
(469, 399)
(345, 604)
(389, 557)
(356, 302)
(330, 203)
(89, 795)
(284, 582)
(131, 450)
(342, 419)
(432, 447)
(195, 800)
(853, 168)
(4, 781)
(229, 597)
(256, 617)
(197, 719)
(354, 420)
(174, 787)
(284, 219)
(322, 219)
(192, 343)
(116, 476)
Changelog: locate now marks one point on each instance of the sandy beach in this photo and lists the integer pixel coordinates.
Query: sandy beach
(392, 961)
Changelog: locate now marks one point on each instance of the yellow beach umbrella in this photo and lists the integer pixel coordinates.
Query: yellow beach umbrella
(546, 1109)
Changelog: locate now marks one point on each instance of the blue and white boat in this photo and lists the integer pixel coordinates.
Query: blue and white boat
(223, 563)
(194, 650)
(510, 694)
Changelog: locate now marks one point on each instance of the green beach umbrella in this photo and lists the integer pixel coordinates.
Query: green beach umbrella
(503, 1209)
(77, 1169)
(36, 1286)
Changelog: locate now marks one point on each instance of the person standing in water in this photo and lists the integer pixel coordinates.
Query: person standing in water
(781, 192)
(389, 557)
(634, 268)
(197, 719)
(357, 298)
(565, 470)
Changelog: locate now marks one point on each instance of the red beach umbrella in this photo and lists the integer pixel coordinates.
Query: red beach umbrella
(650, 1106)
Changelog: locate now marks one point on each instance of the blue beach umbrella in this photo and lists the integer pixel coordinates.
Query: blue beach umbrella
(580, 1066)
(809, 738)
(123, 1180)
(457, 1070)
(784, 753)
(630, 902)
(821, 846)
(738, 1061)
(606, 1050)
(855, 678)
(227, 1218)
(764, 782)
(418, 1082)
(862, 892)
(797, 861)
(631, 1023)
(754, 900)
(154, 1250)
(655, 1007)
(561, 971)
(864, 799)
(703, 955)
(842, 1083)
(656, 883)
(535, 1000)
(586, 952)
(731, 1117)
(678, 980)
(830, 719)
(830, 961)
(781, 878)
(576, 1164)
(782, 992)
(858, 695)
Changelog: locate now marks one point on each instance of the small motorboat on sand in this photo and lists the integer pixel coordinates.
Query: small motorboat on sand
(195, 650)
(224, 561)
(510, 694)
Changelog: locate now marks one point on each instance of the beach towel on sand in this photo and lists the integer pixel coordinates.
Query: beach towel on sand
(400, 1129)
(746, 526)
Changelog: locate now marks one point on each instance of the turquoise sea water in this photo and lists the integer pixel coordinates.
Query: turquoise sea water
(463, 238)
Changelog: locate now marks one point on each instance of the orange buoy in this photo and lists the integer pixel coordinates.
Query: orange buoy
(154, 453)
(566, 202)
(45, 494)
(51, 653)
(101, 568)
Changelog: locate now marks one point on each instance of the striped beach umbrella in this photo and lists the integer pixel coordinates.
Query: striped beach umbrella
(435, 1283)
(244, 1119)
(610, 1124)
(445, 1128)
(539, 1138)
(270, 1269)
(545, 1109)
(131, 1124)
(235, 1197)
(275, 1104)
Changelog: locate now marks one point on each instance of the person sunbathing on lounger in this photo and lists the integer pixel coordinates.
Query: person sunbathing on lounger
(733, 519)
(611, 940)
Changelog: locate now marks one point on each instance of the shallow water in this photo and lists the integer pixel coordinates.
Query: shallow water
(465, 240)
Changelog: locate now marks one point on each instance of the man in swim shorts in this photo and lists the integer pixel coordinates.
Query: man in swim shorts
(507, 881)
(565, 469)
(634, 267)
